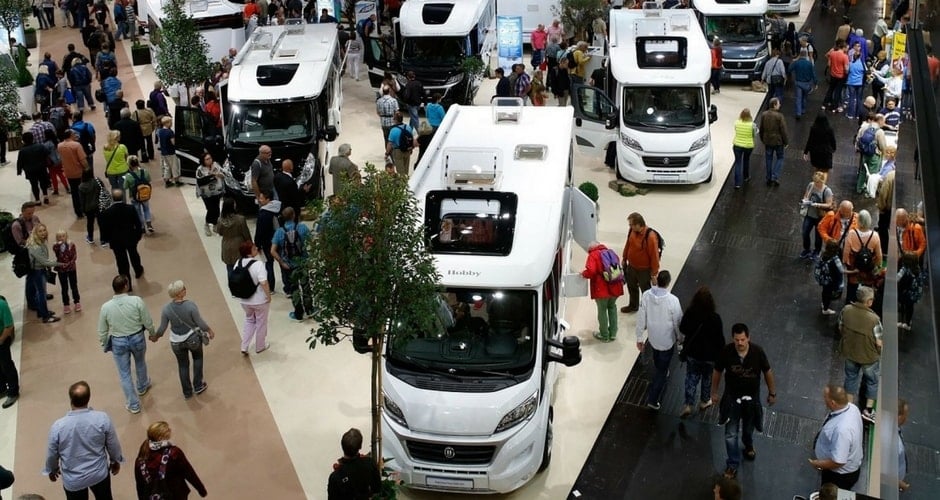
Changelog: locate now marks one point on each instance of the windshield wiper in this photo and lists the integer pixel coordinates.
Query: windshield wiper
(501, 374)
(294, 142)
(428, 368)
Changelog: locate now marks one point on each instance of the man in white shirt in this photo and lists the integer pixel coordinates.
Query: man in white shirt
(838, 446)
(659, 316)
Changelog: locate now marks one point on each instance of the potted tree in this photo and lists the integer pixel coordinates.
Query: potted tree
(12, 14)
(10, 101)
(140, 53)
(31, 41)
(183, 56)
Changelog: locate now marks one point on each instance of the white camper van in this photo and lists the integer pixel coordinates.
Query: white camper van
(284, 91)
(657, 114)
(784, 6)
(433, 38)
(469, 408)
(219, 22)
(741, 27)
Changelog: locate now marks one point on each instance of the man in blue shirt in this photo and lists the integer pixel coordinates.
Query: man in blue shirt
(83, 448)
(288, 247)
(397, 147)
(838, 446)
(804, 76)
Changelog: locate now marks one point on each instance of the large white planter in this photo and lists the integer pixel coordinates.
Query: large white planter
(27, 100)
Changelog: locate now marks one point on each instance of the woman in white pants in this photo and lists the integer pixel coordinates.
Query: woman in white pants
(353, 55)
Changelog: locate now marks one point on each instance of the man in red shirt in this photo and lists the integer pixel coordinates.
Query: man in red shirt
(538, 38)
(717, 62)
(933, 64)
(838, 71)
(251, 9)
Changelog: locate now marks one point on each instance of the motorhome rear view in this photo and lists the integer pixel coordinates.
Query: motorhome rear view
(740, 26)
(657, 119)
(469, 408)
(284, 91)
(435, 39)
(219, 22)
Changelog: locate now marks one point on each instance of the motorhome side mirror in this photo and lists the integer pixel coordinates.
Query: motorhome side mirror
(612, 120)
(329, 133)
(566, 352)
(712, 113)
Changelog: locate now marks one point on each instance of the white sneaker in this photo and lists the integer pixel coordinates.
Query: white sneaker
(828, 312)
(208, 229)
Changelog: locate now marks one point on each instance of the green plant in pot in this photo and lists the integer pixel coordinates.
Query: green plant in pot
(31, 41)
(140, 53)
(590, 190)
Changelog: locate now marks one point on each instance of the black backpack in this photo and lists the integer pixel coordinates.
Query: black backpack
(21, 265)
(659, 237)
(293, 244)
(864, 258)
(405, 139)
(240, 282)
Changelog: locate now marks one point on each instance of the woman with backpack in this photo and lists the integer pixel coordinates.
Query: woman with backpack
(910, 288)
(115, 157)
(606, 276)
(703, 330)
(816, 202)
(862, 256)
(829, 274)
(256, 305)
(137, 185)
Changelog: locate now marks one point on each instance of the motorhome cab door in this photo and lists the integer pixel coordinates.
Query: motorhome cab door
(381, 55)
(190, 139)
(595, 120)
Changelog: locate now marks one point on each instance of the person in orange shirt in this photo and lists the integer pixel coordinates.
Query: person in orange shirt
(834, 224)
(640, 260)
(838, 71)
(910, 234)
(933, 65)
(251, 9)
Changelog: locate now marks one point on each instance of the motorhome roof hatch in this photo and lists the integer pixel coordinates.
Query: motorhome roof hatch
(436, 13)
(477, 169)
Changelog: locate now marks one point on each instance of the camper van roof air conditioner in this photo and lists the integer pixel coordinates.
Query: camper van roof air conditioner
(472, 169)
(436, 13)
(652, 9)
(261, 40)
(530, 152)
(273, 75)
(506, 109)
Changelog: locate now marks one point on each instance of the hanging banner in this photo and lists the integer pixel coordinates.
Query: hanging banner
(364, 9)
(509, 41)
(898, 46)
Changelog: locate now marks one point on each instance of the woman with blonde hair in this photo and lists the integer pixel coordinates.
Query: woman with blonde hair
(39, 264)
(115, 156)
(161, 469)
(817, 201)
(188, 333)
(745, 130)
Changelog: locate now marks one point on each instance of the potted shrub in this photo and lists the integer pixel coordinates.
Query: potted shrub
(31, 41)
(140, 53)
(590, 190)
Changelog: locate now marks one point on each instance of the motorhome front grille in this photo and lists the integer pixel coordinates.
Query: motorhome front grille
(739, 65)
(438, 385)
(443, 453)
(778, 2)
(666, 161)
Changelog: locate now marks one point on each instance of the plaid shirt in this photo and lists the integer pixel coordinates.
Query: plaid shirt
(386, 106)
(521, 83)
(39, 130)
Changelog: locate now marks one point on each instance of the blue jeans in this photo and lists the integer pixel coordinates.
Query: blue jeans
(36, 288)
(773, 167)
(82, 94)
(182, 351)
(802, 90)
(123, 349)
(809, 226)
(776, 91)
(661, 361)
(742, 164)
(143, 211)
(698, 372)
(855, 100)
(869, 373)
(413, 117)
(735, 427)
(116, 181)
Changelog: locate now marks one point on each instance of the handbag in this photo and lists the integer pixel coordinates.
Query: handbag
(50, 276)
(683, 356)
(69, 96)
(197, 332)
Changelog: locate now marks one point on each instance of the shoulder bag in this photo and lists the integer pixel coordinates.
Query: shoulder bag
(199, 333)
(683, 357)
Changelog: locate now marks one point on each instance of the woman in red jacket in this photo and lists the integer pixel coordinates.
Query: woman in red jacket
(161, 468)
(603, 269)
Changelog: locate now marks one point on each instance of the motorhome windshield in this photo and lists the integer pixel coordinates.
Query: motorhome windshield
(434, 51)
(480, 330)
(663, 107)
(735, 28)
(266, 122)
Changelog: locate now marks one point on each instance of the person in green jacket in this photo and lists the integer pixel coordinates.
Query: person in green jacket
(115, 157)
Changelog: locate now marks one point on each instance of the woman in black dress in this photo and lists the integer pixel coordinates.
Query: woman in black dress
(820, 145)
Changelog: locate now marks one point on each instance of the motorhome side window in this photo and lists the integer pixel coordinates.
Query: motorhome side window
(261, 122)
(735, 28)
(655, 107)
(662, 52)
(470, 222)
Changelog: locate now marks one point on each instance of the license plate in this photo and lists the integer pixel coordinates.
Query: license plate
(671, 179)
(446, 482)
(737, 76)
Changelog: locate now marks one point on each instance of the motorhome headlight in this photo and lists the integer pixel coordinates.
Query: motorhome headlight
(394, 412)
(630, 142)
(700, 143)
(762, 52)
(519, 414)
(454, 80)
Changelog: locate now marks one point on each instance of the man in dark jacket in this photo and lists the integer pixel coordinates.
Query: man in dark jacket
(121, 228)
(413, 95)
(354, 475)
(503, 88)
(32, 161)
(131, 137)
(773, 133)
(264, 229)
(286, 187)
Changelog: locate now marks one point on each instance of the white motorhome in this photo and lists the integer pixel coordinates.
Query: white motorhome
(784, 6)
(469, 408)
(433, 38)
(654, 120)
(741, 27)
(284, 91)
(532, 12)
(219, 21)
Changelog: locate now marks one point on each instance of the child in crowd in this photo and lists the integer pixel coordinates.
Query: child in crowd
(66, 255)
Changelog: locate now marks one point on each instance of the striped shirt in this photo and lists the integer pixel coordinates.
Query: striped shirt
(386, 107)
